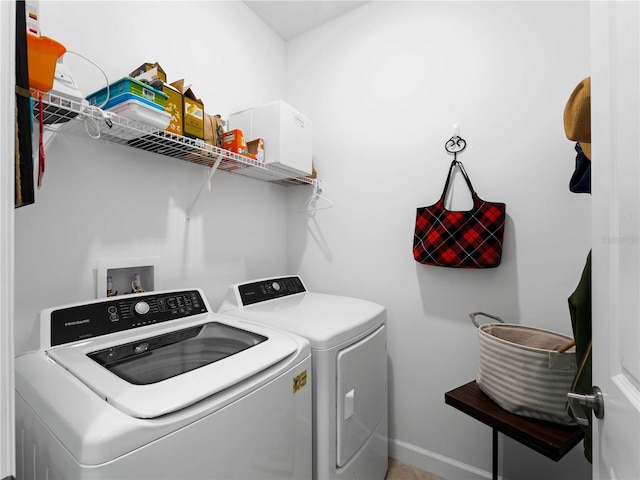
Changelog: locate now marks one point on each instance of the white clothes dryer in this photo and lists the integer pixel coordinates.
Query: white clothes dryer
(156, 386)
(349, 365)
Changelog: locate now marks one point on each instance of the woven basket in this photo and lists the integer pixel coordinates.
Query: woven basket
(527, 371)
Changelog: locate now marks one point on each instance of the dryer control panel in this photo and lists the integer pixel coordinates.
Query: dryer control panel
(90, 320)
(269, 289)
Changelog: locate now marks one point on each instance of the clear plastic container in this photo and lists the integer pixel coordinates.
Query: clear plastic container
(143, 113)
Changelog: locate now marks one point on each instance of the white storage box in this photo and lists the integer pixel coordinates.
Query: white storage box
(142, 113)
(285, 131)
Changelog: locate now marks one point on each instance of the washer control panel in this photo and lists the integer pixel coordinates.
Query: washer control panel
(264, 290)
(115, 315)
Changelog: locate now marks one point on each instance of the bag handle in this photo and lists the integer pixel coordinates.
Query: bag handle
(464, 174)
(473, 318)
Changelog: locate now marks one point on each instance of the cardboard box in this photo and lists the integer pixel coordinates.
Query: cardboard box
(234, 142)
(192, 111)
(255, 149)
(145, 67)
(173, 107)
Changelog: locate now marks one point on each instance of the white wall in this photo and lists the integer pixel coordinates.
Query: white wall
(102, 201)
(384, 86)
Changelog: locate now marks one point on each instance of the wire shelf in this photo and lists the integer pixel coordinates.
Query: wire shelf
(68, 116)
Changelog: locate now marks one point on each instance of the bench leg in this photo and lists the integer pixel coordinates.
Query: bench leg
(495, 455)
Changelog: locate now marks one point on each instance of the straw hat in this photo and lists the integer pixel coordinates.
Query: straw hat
(577, 116)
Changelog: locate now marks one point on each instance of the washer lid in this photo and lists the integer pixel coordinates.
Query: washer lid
(325, 320)
(167, 369)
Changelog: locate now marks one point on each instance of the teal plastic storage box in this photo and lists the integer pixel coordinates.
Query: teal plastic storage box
(127, 89)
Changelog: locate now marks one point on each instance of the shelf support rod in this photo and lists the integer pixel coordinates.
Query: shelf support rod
(213, 169)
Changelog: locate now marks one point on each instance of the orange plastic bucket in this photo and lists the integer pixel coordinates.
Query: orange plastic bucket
(43, 53)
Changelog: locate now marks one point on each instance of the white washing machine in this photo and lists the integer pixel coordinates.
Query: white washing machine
(349, 364)
(155, 386)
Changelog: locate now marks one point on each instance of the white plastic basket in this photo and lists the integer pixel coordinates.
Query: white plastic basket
(527, 371)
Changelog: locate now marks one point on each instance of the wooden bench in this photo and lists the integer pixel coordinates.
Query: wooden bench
(551, 440)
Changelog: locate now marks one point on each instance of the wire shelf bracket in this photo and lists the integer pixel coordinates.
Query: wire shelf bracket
(207, 182)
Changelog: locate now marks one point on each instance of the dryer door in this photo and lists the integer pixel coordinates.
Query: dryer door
(362, 392)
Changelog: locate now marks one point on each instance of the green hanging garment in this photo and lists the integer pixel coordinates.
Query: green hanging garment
(580, 310)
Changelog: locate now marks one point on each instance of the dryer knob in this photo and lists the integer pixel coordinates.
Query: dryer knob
(276, 286)
(141, 308)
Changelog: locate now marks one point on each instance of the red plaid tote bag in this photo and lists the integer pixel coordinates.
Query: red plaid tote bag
(460, 239)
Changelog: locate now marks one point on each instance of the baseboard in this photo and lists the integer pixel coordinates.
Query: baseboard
(431, 462)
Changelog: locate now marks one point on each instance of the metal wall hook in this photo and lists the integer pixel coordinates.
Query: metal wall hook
(455, 145)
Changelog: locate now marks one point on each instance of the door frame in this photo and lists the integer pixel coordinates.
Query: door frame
(7, 186)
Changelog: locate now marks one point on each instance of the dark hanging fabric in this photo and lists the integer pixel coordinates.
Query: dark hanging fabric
(581, 179)
(24, 188)
(580, 310)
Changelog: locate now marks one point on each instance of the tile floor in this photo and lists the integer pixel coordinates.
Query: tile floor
(400, 471)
